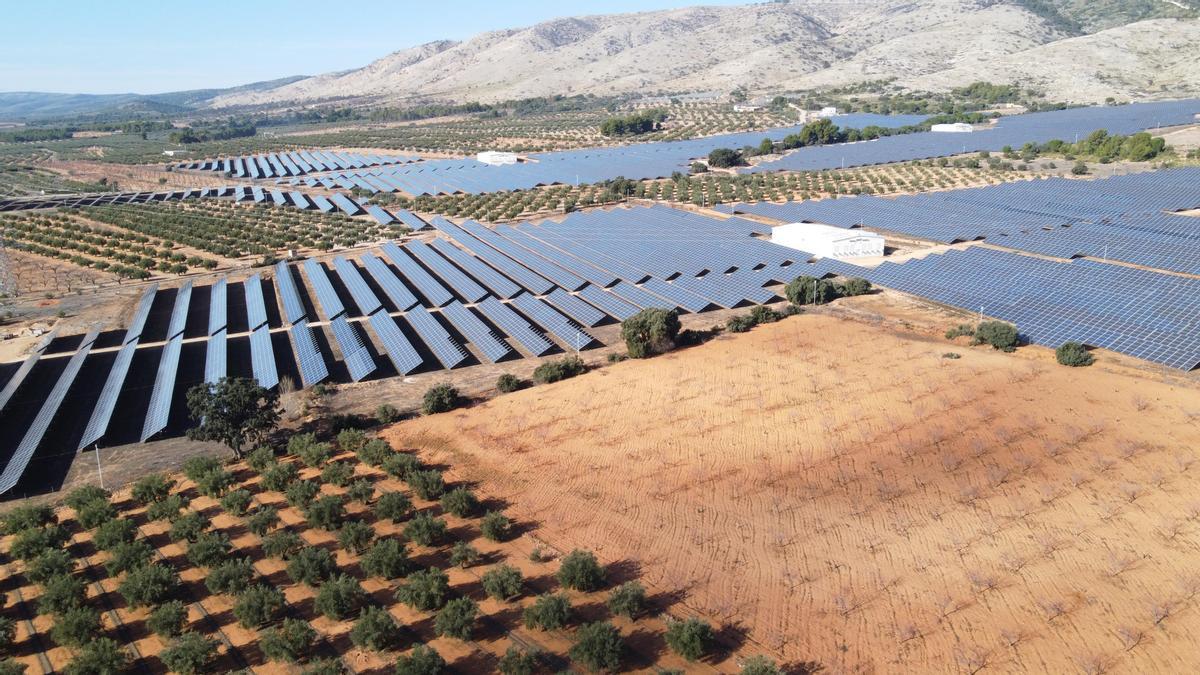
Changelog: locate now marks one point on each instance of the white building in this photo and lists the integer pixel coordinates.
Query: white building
(826, 241)
(746, 107)
(496, 158)
(955, 128)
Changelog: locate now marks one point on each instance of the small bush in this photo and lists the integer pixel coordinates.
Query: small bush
(311, 565)
(237, 502)
(310, 451)
(393, 506)
(425, 530)
(374, 452)
(168, 509)
(339, 597)
(326, 513)
(650, 331)
(209, 550)
(580, 571)
(1074, 354)
(262, 519)
(329, 666)
(739, 324)
(375, 630)
(562, 369)
(301, 493)
(230, 577)
(517, 661)
(288, 642)
(80, 497)
(50, 564)
(28, 517)
(75, 627)
(460, 502)
(113, 533)
(760, 665)
(463, 555)
(495, 526)
(598, 646)
(215, 483)
(337, 474)
(400, 464)
(508, 383)
(428, 484)
(351, 440)
(502, 582)
(277, 478)
(457, 619)
(102, 656)
(387, 414)
(356, 536)
(196, 467)
(361, 491)
(282, 545)
(548, 612)
(425, 590)
(124, 557)
(149, 585)
(689, 638)
(258, 605)
(188, 527)
(189, 654)
(807, 290)
(153, 488)
(387, 559)
(95, 513)
(30, 543)
(262, 459)
(440, 398)
(629, 600)
(168, 619)
(999, 335)
(422, 661)
(855, 286)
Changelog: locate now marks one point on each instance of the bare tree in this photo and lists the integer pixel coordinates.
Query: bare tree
(972, 659)
(1161, 611)
(1119, 563)
(1130, 636)
(1094, 664)
(1131, 491)
(1013, 636)
(982, 581)
(1053, 608)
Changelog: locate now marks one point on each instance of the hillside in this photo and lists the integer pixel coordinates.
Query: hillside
(787, 46)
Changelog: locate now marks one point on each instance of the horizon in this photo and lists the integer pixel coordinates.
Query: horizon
(88, 50)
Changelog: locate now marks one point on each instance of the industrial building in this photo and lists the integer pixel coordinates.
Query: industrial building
(826, 241)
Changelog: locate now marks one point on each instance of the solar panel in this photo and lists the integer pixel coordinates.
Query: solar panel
(18, 377)
(138, 322)
(292, 306)
(97, 424)
(466, 288)
(217, 307)
(554, 323)
(431, 288)
(518, 273)
(216, 357)
(675, 295)
(517, 327)
(395, 289)
(322, 204)
(495, 282)
(399, 350)
(168, 366)
(476, 331)
(363, 296)
(354, 352)
(327, 297)
(444, 348)
(256, 309)
(347, 205)
(262, 357)
(33, 435)
(608, 302)
(308, 356)
(382, 217)
(575, 308)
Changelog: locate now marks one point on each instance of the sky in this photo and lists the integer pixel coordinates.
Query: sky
(151, 46)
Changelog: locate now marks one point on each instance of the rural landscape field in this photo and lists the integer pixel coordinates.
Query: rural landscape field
(790, 337)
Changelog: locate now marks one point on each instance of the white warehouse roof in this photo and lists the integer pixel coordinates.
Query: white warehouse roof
(826, 241)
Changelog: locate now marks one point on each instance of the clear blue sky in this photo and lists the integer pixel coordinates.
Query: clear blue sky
(154, 46)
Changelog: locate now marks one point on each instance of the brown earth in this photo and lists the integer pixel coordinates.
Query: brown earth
(851, 496)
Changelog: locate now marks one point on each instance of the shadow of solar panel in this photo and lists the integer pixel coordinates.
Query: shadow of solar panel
(444, 348)
(476, 331)
(554, 323)
(515, 326)
(37, 429)
(308, 357)
(354, 353)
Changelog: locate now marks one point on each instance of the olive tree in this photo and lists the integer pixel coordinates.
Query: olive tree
(235, 411)
(650, 331)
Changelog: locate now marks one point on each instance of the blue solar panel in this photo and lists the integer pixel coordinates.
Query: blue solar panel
(676, 296)
(322, 204)
(397, 292)
(495, 282)
(327, 297)
(355, 354)
(97, 424)
(308, 357)
(575, 308)
(168, 365)
(543, 267)
(476, 331)
(431, 288)
(18, 377)
(435, 336)
(138, 322)
(216, 357)
(610, 303)
(292, 306)
(347, 205)
(450, 275)
(217, 307)
(399, 350)
(382, 217)
(522, 275)
(256, 309)
(556, 324)
(33, 435)
(363, 296)
(262, 357)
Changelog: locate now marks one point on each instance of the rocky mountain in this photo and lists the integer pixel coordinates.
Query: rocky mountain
(1082, 50)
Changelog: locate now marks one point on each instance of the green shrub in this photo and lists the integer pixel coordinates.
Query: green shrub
(440, 398)
(288, 642)
(1074, 354)
(361, 491)
(374, 452)
(502, 582)
(149, 585)
(855, 286)
(282, 545)
(102, 656)
(51, 563)
(422, 661)
(262, 459)
(301, 494)
(75, 627)
(237, 502)
(8, 634)
(351, 440)
(60, 594)
(548, 612)
(375, 630)
(807, 290)
(326, 513)
(230, 577)
(598, 646)
(310, 451)
(167, 509)
(330, 666)
(215, 483)
(463, 555)
(190, 653)
(495, 526)
(457, 619)
(999, 335)
(650, 331)
(517, 661)
(355, 536)
(277, 478)
(188, 527)
(580, 571)
(460, 502)
(562, 369)
(424, 590)
(428, 484)
(508, 383)
(32, 542)
(337, 473)
(209, 550)
(95, 513)
(80, 497)
(153, 488)
(739, 324)
(339, 597)
(196, 467)
(258, 605)
(628, 599)
(386, 413)
(124, 557)
(960, 330)
(28, 517)
(168, 619)
(400, 464)
(393, 506)
(387, 559)
(425, 530)
(262, 519)
(311, 565)
(760, 665)
(113, 533)
(689, 638)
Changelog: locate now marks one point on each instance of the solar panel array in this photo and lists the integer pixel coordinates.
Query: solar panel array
(27, 365)
(308, 356)
(476, 331)
(435, 336)
(168, 366)
(355, 354)
(287, 164)
(399, 350)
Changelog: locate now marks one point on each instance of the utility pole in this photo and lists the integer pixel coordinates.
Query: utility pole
(99, 471)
